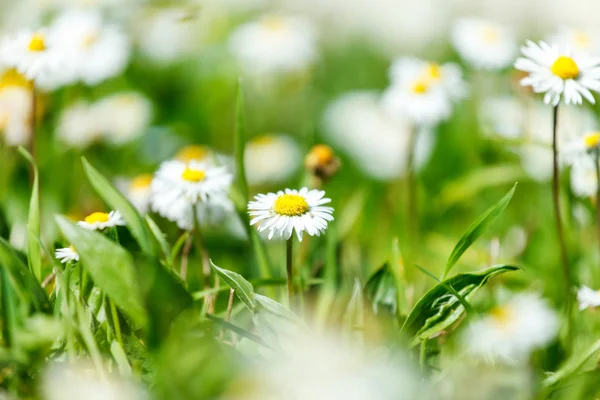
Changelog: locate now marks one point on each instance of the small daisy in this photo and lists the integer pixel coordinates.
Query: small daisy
(274, 44)
(96, 50)
(99, 220)
(179, 189)
(283, 155)
(584, 180)
(558, 72)
(66, 254)
(509, 333)
(283, 212)
(484, 44)
(138, 192)
(588, 298)
(124, 116)
(38, 56)
(583, 146)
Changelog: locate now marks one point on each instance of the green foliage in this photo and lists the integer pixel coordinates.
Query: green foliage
(243, 289)
(34, 254)
(380, 290)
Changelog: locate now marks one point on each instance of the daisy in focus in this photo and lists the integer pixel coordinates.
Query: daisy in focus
(423, 92)
(509, 333)
(587, 298)
(95, 50)
(66, 254)
(274, 44)
(38, 56)
(98, 221)
(287, 211)
(484, 44)
(181, 190)
(559, 73)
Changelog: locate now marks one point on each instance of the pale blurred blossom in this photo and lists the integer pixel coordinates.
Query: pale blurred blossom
(271, 158)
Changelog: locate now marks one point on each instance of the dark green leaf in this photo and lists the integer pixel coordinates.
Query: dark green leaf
(34, 254)
(439, 308)
(117, 201)
(243, 288)
(110, 266)
(162, 241)
(9, 312)
(476, 229)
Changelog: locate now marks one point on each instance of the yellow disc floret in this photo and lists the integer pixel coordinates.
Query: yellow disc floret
(97, 217)
(420, 87)
(37, 43)
(141, 182)
(502, 316)
(434, 71)
(292, 205)
(193, 152)
(193, 175)
(565, 68)
(592, 140)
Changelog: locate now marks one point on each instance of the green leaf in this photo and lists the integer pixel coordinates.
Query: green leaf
(165, 297)
(110, 266)
(476, 229)
(161, 239)
(117, 201)
(243, 288)
(381, 292)
(439, 308)
(275, 308)
(120, 358)
(572, 365)
(236, 329)
(34, 254)
(27, 286)
(9, 312)
(354, 319)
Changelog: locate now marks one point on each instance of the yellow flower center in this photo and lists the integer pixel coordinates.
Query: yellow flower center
(292, 205)
(502, 316)
(11, 77)
(581, 39)
(89, 39)
(490, 35)
(273, 23)
(73, 248)
(321, 153)
(96, 217)
(193, 152)
(420, 87)
(592, 140)
(565, 68)
(37, 43)
(434, 71)
(193, 175)
(141, 181)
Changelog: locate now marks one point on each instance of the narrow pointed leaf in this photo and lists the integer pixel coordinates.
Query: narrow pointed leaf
(243, 288)
(110, 266)
(117, 201)
(162, 241)
(381, 291)
(476, 229)
(34, 254)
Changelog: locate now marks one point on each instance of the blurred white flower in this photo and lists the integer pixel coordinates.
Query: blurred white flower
(81, 380)
(484, 44)
(79, 125)
(94, 49)
(66, 254)
(138, 192)
(584, 181)
(124, 116)
(100, 220)
(583, 146)
(577, 40)
(311, 366)
(587, 298)
(15, 108)
(509, 333)
(271, 158)
(559, 72)
(423, 92)
(38, 56)
(274, 44)
(181, 190)
(283, 212)
(378, 143)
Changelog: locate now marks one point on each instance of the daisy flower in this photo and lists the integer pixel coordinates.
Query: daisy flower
(283, 155)
(582, 146)
(587, 298)
(559, 73)
(96, 50)
(274, 44)
(124, 116)
(509, 333)
(99, 220)
(576, 39)
(283, 212)
(484, 44)
(179, 190)
(584, 180)
(38, 56)
(79, 125)
(66, 254)
(138, 192)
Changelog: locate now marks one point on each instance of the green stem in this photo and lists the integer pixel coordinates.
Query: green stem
(423, 355)
(597, 163)
(116, 322)
(566, 272)
(412, 204)
(289, 268)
